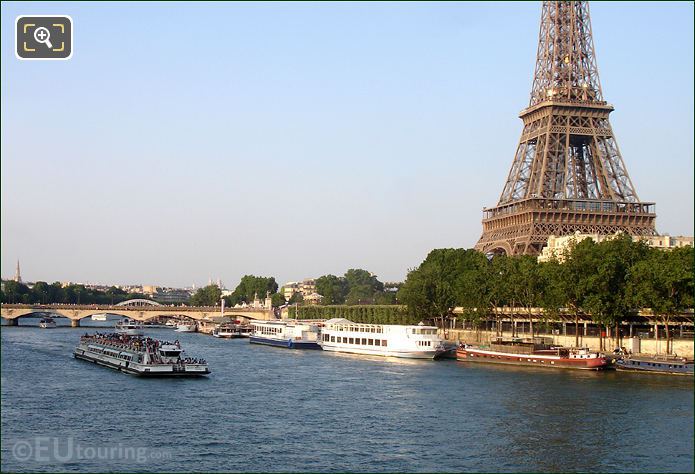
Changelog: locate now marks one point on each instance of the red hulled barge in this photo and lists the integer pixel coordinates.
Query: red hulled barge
(534, 353)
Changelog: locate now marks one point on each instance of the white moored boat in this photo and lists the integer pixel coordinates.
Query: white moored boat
(99, 317)
(129, 326)
(47, 323)
(187, 327)
(139, 355)
(290, 334)
(412, 342)
(232, 331)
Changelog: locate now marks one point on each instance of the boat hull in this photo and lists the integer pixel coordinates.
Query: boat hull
(161, 370)
(286, 343)
(366, 351)
(532, 360)
(663, 367)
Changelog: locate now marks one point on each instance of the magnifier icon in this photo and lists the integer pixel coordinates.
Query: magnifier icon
(42, 35)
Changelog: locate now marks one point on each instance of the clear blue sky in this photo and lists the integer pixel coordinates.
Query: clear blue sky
(188, 141)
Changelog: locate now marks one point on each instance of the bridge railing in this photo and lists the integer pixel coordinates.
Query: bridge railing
(106, 308)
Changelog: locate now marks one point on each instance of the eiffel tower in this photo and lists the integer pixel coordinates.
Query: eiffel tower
(567, 174)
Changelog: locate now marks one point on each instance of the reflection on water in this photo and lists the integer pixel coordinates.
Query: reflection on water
(271, 409)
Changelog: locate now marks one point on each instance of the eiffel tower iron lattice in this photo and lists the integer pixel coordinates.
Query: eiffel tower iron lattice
(567, 174)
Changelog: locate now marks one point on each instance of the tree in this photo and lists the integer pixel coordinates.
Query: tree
(15, 292)
(207, 296)
(607, 298)
(576, 276)
(277, 299)
(333, 289)
(114, 295)
(39, 293)
(251, 286)
(524, 283)
(296, 298)
(385, 297)
(663, 281)
(362, 278)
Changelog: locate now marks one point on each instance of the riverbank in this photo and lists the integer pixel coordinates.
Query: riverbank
(681, 347)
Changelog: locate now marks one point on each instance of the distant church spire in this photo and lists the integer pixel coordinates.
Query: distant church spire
(18, 275)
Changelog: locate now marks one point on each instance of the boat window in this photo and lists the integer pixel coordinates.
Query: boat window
(384, 342)
(352, 340)
(364, 341)
(332, 338)
(370, 342)
(377, 342)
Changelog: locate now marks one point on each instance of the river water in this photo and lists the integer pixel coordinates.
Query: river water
(272, 409)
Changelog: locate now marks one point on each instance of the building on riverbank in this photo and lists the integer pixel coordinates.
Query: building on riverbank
(558, 245)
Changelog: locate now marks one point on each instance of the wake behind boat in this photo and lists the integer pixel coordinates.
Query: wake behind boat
(139, 355)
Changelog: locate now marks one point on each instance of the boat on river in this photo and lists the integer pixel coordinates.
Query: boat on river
(139, 355)
(289, 334)
(534, 353)
(658, 364)
(129, 326)
(187, 327)
(231, 330)
(390, 340)
(47, 323)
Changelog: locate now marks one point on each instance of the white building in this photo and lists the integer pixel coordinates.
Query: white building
(558, 245)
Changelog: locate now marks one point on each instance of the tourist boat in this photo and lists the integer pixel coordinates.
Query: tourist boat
(231, 330)
(412, 342)
(99, 317)
(129, 326)
(171, 323)
(187, 327)
(139, 355)
(47, 323)
(534, 353)
(664, 364)
(290, 334)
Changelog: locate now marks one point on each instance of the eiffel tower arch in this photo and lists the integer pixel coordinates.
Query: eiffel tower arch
(567, 174)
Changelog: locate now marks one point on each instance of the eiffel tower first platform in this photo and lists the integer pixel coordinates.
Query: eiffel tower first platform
(568, 174)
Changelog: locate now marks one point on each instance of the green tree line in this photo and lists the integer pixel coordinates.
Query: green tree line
(249, 287)
(356, 287)
(43, 293)
(608, 281)
(371, 314)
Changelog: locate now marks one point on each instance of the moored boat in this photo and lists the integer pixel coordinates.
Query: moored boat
(289, 334)
(187, 327)
(47, 323)
(231, 330)
(139, 355)
(663, 364)
(390, 340)
(99, 317)
(130, 327)
(534, 353)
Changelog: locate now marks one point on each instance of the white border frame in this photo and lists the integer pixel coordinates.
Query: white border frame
(72, 40)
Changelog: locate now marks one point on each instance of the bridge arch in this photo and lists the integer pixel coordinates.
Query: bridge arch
(139, 302)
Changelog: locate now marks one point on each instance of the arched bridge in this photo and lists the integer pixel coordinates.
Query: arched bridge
(75, 313)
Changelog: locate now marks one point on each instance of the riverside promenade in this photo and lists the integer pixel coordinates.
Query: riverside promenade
(683, 347)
